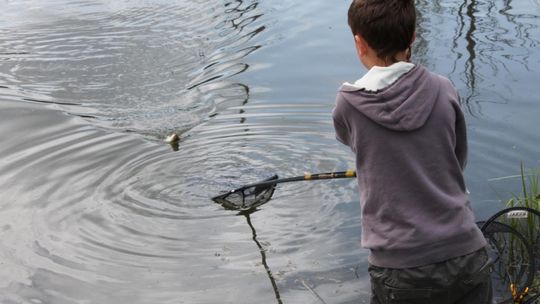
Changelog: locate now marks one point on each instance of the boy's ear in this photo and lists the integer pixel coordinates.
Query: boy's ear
(361, 45)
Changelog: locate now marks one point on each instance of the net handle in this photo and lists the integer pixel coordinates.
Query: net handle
(305, 177)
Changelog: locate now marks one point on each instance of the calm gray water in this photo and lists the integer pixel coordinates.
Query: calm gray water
(96, 208)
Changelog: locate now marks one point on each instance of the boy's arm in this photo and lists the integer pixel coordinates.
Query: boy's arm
(340, 122)
(461, 138)
(461, 148)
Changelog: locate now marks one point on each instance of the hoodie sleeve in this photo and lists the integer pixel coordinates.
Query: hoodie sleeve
(461, 138)
(340, 123)
(461, 148)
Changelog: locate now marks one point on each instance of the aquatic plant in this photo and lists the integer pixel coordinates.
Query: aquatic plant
(530, 196)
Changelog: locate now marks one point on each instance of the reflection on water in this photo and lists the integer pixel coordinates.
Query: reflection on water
(263, 259)
(493, 41)
(97, 209)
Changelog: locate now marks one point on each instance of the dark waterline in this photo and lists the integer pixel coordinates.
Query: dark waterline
(96, 208)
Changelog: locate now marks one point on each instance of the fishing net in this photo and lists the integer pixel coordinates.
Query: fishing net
(253, 195)
(513, 235)
(248, 197)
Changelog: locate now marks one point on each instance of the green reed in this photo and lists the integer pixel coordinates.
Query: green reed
(529, 197)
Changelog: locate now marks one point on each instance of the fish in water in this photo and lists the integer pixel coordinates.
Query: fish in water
(173, 140)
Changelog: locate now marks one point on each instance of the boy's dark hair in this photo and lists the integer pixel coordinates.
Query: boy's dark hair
(387, 25)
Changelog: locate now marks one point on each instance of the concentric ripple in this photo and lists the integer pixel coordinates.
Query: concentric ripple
(136, 66)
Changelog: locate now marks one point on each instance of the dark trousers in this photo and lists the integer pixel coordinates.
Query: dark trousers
(461, 280)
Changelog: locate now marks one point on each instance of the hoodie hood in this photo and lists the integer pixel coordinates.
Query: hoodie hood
(404, 105)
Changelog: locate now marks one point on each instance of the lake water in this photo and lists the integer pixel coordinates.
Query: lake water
(96, 208)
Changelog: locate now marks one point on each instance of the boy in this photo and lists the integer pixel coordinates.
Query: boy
(408, 133)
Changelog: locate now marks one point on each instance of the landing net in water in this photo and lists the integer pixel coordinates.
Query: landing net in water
(248, 197)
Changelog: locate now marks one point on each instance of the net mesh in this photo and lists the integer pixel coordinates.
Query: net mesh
(512, 258)
(514, 241)
(249, 197)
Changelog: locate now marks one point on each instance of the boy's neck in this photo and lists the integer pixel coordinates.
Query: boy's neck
(370, 60)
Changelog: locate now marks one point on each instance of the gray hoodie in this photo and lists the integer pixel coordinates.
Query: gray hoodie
(411, 148)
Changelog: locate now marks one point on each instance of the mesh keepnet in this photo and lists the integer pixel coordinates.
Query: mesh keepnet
(512, 271)
(513, 235)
